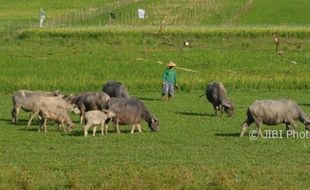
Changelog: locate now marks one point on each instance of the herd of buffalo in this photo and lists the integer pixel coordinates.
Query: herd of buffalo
(97, 108)
(114, 104)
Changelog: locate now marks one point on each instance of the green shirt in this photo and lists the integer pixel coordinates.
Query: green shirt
(170, 75)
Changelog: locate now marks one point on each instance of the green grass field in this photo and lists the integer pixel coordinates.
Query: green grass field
(193, 150)
(18, 14)
(83, 59)
(233, 43)
(277, 12)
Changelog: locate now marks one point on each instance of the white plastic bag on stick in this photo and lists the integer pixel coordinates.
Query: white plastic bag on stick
(141, 13)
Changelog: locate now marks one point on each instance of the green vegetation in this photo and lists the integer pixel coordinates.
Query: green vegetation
(82, 59)
(193, 150)
(277, 12)
(17, 14)
(167, 12)
(81, 47)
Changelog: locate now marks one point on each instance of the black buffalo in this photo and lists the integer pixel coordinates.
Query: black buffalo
(131, 111)
(115, 89)
(89, 101)
(216, 95)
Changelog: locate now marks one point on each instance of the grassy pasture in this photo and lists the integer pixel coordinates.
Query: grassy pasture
(193, 150)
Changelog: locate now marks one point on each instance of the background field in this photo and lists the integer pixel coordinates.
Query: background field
(194, 149)
(83, 59)
(18, 14)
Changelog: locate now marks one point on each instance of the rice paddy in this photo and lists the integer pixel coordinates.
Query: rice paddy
(194, 149)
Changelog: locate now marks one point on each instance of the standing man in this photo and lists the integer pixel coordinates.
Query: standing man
(276, 41)
(169, 81)
(42, 17)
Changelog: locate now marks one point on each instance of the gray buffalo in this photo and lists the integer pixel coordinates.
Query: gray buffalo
(273, 112)
(53, 103)
(88, 101)
(216, 95)
(115, 89)
(57, 114)
(25, 99)
(131, 111)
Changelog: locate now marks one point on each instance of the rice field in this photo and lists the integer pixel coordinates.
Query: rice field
(97, 13)
(239, 58)
(81, 47)
(194, 149)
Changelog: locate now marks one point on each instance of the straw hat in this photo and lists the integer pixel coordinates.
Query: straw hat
(171, 64)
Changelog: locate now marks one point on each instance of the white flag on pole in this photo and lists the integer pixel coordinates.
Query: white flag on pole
(141, 13)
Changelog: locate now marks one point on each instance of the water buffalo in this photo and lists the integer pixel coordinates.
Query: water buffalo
(273, 112)
(216, 95)
(51, 103)
(97, 117)
(131, 111)
(88, 101)
(25, 99)
(115, 89)
(58, 114)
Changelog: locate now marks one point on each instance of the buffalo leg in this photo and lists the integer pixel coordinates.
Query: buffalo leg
(244, 126)
(15, 112)
(117, 127)
(40, 124)
(86, 127)
(44, 124)
(81, 117)
(258, 128)
(221, 109)
(215, 109)
(106, 126)
(133, 128)
(13, 115)
(31, 116)
(63, 126)
(58, 126)
(287, 127)
(94, 130)
(291, 123)
(82, 110)
(139, 128)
